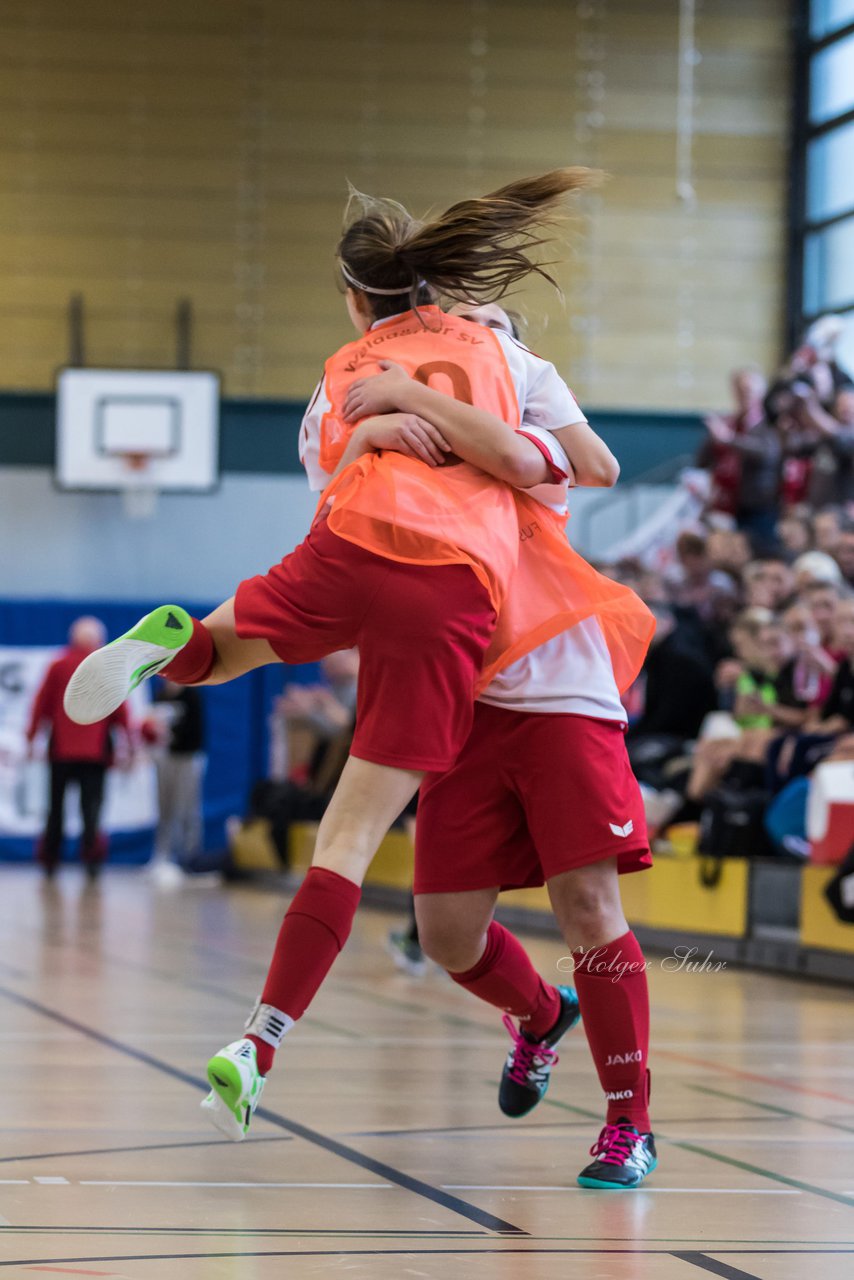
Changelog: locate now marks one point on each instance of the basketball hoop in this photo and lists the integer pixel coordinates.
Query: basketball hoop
(139, 496)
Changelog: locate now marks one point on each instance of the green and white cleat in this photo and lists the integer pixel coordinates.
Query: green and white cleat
(235, 1089)
(103, 680)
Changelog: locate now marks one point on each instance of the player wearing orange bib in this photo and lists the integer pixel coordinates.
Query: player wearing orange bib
(543, 792)
(409, 563)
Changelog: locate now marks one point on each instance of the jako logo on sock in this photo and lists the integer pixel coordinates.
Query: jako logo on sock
(621, 1096)
(623, 1059)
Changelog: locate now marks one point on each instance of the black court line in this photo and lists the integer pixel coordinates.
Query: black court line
(221, 993)
(589, 1243)
(463, 1129)
(515, 1130)
(767, 1106)
(722, 1159)
(455, 1020)
(697, 1259)
(384, 1171)
(714, 1267)
(110, 1151)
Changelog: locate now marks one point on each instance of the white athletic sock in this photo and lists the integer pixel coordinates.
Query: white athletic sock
(268, 1024)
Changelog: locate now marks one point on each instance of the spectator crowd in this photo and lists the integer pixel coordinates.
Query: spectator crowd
(749, 683)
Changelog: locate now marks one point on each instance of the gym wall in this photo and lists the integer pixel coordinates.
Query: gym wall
(169, 149)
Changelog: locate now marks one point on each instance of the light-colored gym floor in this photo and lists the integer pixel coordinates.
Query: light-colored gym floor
(380, 1151)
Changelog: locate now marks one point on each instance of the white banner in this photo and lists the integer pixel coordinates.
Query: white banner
(131, 794)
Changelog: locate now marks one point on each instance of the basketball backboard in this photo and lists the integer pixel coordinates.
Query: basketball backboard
(120, 429)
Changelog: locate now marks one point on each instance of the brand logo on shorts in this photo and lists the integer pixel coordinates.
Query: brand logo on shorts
(621, 1096)
(622, 831)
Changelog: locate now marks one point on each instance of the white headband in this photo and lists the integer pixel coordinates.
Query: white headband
(367, 288)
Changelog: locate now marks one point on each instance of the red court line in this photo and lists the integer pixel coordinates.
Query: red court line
(750, 1075)
(73, 1271)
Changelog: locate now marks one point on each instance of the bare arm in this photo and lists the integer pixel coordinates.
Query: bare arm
(593, 463)
(481, 438)
(788, 717)
(475, 436)
(401, 432)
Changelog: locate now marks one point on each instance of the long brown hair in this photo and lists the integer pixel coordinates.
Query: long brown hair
(475, 251)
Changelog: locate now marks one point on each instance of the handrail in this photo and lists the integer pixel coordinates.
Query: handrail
(629, 493)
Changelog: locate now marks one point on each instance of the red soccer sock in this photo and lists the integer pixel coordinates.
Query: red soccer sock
(314, 930)
(614, 998)
(505, 977)
(192, 663)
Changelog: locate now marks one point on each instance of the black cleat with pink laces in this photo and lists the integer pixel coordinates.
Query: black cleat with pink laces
(622, 1158)
(526, 1073)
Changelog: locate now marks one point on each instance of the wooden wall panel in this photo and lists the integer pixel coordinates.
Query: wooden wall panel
(171, 149)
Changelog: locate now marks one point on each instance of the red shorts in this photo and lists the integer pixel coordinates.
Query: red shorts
(421, 631)
(530, 796)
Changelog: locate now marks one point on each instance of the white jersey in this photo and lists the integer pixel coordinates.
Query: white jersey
(571, 674)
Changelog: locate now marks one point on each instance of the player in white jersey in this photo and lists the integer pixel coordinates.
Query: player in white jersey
(543, 791)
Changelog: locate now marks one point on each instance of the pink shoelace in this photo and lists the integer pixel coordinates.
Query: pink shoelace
(529, 1056)
(614, 1144)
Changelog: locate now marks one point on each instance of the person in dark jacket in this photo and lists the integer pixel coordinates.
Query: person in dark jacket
(679, 693)
(177, 725)
(78, 754)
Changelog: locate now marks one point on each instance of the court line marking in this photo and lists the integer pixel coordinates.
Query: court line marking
(222, 993)
(706, 1064)
(404, 1180)
(498, 1247)
(543, 1129)
(696, 1191)
(337, 1186)
(107, 1151)
(713, 1266)
(838, 1197)
(73, 1271)
(387, 1186)
(768, 1106)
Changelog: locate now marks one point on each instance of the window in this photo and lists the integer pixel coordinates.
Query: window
(830, 174)
(832, 80)
(828, 15)
(829, 268)
(822, 277)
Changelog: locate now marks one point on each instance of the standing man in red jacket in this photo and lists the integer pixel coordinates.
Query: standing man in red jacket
(77, 753)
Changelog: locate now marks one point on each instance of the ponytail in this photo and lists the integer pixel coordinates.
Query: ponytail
(475, 251)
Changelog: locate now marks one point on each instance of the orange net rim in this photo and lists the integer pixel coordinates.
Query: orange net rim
(140, 459)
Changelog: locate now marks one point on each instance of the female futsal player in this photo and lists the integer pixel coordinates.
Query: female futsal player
(409, 563)
(543, 790)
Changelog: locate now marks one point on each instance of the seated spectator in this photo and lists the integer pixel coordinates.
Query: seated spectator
(798, 754)
(844, 553)
(816, 568)
(729, 550)
(794, 534)
(805, 681)
(746, 684)
(837, 713)
(827, 526)
(768, 583)
(822, 600)
(693, 582)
